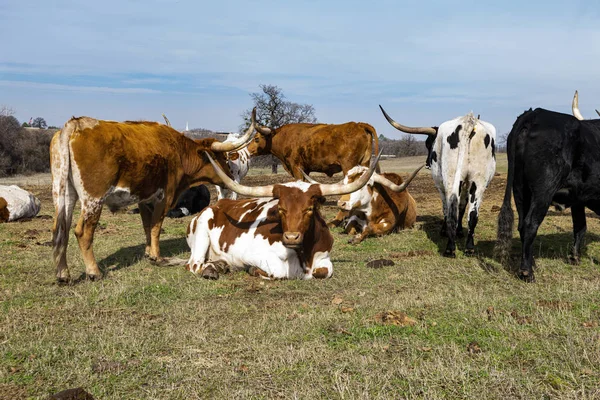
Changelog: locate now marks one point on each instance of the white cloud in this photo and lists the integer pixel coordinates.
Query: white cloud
(69, 88)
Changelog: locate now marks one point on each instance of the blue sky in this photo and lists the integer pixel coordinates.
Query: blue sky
(425, 62)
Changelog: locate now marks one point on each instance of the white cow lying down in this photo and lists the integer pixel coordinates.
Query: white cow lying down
(16, 203)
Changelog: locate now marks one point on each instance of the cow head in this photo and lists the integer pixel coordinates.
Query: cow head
(219, 151)
(361, 199)
(431, 132)
(298, 201)
(262, 142)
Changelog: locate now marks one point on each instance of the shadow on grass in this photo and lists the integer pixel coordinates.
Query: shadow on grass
(550, 245)
(127, 256)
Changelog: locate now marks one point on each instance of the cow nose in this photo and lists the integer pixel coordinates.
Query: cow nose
(341, 204)
(292, 238)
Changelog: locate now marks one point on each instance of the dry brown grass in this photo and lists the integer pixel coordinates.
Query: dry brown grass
(427, 327)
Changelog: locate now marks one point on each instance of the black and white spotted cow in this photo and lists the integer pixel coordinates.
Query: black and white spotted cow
(462, 159)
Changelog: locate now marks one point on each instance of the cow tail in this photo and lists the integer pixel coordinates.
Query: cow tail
(506, 216)
(60, 166)
(375, 145)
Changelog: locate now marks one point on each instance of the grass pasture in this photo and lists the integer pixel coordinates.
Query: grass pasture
(427, 327)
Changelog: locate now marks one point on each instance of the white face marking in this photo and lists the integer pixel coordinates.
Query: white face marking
(299, 185)
(361, 199)
(20, 203)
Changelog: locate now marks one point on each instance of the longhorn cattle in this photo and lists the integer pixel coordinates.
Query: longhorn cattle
(16, 203)
(118, 164)
(280, 236)
(462, 159)
(380, 207)
(552, 158)
(238, 162)
(317, 147)
(575, 107)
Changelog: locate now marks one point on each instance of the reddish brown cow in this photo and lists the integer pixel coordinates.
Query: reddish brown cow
(381, 207)
(118, 164)
(282, 236)
(324, 148)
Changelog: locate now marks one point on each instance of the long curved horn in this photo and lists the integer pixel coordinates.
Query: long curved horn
(422, 130)
(243, 140)
(396, 188)
(308, 178)
(166, 120)
(340, 188)
(575, 107)
(264, 130)
(258, 191)
(598, 112)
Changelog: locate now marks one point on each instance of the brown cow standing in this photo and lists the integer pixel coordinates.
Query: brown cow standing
(120, 164)
(326, 148)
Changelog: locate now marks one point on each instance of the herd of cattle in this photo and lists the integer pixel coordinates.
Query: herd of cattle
(278, 231)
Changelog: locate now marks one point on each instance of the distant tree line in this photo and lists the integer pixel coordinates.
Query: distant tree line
(407, 146)
(22, 151)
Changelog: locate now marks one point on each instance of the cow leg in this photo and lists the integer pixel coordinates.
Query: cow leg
(146, 210)
(198, 238)
(338, 219)
(383, 227)
(579, 229)
(464, 197)
(476, 192)
(84, 231)
(451, 222)
(62, 270)
(354, 226)
(528, 231)
(158, 216)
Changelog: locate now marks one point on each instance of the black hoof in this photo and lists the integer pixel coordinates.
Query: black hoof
(63, 281)
(526, 276)
(469, 252)
(450, 253)
(93, 277)
(210, 273)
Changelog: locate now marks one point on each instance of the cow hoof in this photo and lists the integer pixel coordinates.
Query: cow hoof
(93, 277)
(354, 241)
(62, 280)
(450, 253)
(210, 272)
(320, 273)
(526, 276)
(469, 252)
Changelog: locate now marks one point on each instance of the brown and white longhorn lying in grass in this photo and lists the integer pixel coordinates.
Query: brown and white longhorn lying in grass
(380, 207)
(282, 235)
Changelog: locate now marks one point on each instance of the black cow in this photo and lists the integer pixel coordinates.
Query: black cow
(191, 202)
(552, 158)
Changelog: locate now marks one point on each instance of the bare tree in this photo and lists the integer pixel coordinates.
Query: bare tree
(273, 111)
(39, 122)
